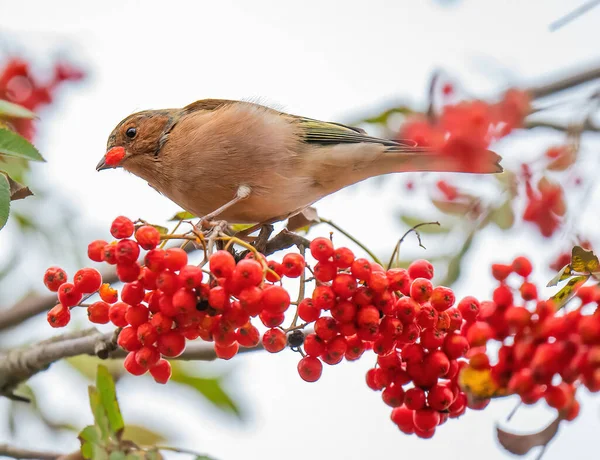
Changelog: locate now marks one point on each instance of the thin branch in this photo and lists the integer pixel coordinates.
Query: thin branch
(16, 452)
(566, 82)
(413, 229)
(588, 126)
(577, 12)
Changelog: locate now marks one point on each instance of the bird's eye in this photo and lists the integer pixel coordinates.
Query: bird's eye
(131, 132)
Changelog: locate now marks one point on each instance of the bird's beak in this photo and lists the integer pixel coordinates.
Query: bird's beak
(112, 158)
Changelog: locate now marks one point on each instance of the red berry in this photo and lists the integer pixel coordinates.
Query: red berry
(325, 271)
(501, 271)
(275, 299)
(368, 317)
(361, 269)
(528, 291)
(432, 339)
(247, 273)
(421, 290)
(323, 297)
(114, 156)
(54, 278)
(226, 351)
(503, 296)
(344, 311)
(59, 316)
(96, 249)
(321, 249)
(98, 312)
(131, 365)
(402, 416)
(344, 285)
(190, 276)
(167, 282)
(171, 344)
(250, 300)
(184, 301)
(393, 395)
(121, 227)
(399, 280)
(343, 257)
(420, 269)
(335, 350)
(175, 259)
(438, 361)
(147, 357)
(147, 334)
(272, 319)
(479, 333)
(127, 252)
(128, 273)
(307, 311)
(136, 315)
(274, 340)
(132, 293)
(248, 336)
(427, 316)
(414, 398)
(109, 254)
(442, 298)
(455, 346)
(148, 238)
(314, 345)
(557, 396)
(116, 314)
(222, 264)
(406, 309)
(161, 371)
(293, 265)
(440, 397)
(128, 339)
(161, 322)
(413, 353)
(522, 266)
(469, 308)
(378, 282)
(310, 368)
(155, 260)
(426, 419)
(218, 298)
(69, 295)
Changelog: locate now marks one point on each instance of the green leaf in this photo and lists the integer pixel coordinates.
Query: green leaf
(117, 455)
(568, 291)
(583, 261)
(10, 110)
(458, 208)
(162, 230)
(240, 227)
(142, 436)
(14, 145)
(454, 266)
(108, 396)
(4, 200)
(429, 229)
(99, 413)
(92, 446)
(210, 388)
(182, 215)
(17, 191)
(503, 216)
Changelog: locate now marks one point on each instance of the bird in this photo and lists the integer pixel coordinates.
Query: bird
(246, 163)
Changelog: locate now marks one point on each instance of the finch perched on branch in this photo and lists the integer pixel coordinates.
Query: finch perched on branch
(246, 163)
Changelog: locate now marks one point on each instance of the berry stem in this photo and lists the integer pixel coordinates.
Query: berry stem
(353, 239)
(396, 251)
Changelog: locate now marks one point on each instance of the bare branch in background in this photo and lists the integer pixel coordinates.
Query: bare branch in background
(588, 126)
(19, 364)
(16, 452)
(576, 13)
(559, 84)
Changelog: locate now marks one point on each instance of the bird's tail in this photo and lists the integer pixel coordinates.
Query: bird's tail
(401, 160)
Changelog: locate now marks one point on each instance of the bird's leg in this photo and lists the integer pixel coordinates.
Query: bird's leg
(242, 193)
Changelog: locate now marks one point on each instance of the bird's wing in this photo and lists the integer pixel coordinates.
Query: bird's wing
(328, 133)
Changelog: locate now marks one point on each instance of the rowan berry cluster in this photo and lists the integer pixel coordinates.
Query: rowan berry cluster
(18, 84)
(411, 326)
(546, 352)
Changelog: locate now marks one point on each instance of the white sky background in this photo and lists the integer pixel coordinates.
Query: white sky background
(328, 60)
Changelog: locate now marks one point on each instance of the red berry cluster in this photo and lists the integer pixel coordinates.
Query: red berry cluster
(546, 352)
(466, 130)
(410, 325)
(18, 85)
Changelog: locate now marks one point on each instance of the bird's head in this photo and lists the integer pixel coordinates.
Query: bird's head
(136, 141)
